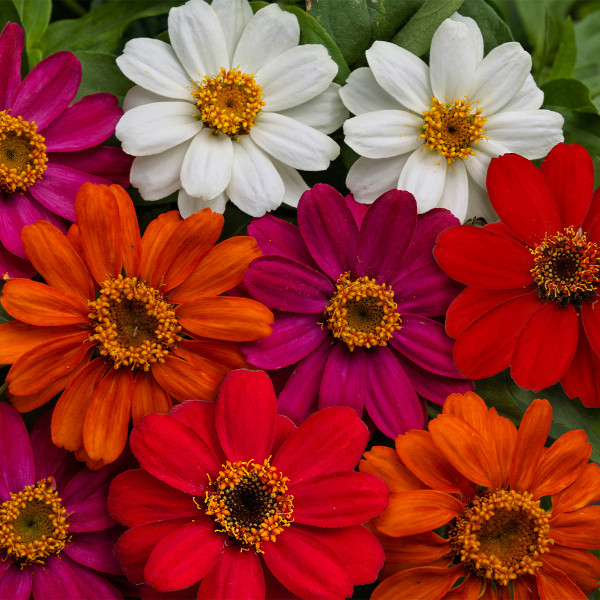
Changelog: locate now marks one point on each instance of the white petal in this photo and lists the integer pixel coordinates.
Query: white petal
(455, 196)
(499, 76)
(234, 15)
(188, 205)
(401, 74)
(270, 32)
(475, 34)
(294, 185)
(154, 128)
(530, 133)
(326, 113)
(479, 204)
(368, 178)
(383, 133)
(362, 93)
(478, 164)
(452, 63)
(296, 76)
(424, 176)
(206, 168)
(197, 37)
(137, 96)
(529, 97)
(255, 187)
(294, 143)
(155, 66)
(157, 176)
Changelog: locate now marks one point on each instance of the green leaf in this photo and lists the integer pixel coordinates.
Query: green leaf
(36, 16)
(493, 29)
(564, 62)
(583, 129)
(495, 393)
(101, 74)
(9, 12)
(568, 93)
(312, 33)
(258, 4)
(388, 16)
(416, 35)
(533, 18)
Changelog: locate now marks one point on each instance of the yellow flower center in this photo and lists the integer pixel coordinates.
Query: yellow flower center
(362, 312)
(249, 501)
(134, 325)
(567, 267)
(502, 535)
(452, 129)
(229, 102)
(22, 154)
(33, 524)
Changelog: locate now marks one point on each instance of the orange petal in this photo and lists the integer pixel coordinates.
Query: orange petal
(419, 453)
(41, 366)
(130, 231)
(554, 583)
(74, 237)
(226, 318)
(531, 438)
(470, 408)
(39, 304)
(220, 270)
(504, 440)
(148, 397)
(418, 511)
(561, 464)
(578, 529)
(383, 462)
(211, 368)
(469, 589)
(183, 381)
(525, 588)
(92, 465)
(584, 491)
(464, 448)
(420, 583)
(581, 566)
(422, 548)
(213, 356)
(155, 239)
(99, 223)
(71, 408)
(55, 259)
(107, 420)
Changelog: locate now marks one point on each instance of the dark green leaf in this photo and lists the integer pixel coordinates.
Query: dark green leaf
(36, 16)
(583, 129)
(568, 93)
(493, 29)
(495, 393)
(9, 12)
(101, 74)
(533, 18)
(388, 16)
(258, 4)
(564, 62)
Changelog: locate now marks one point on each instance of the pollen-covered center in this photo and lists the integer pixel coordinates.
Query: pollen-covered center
(33, 524)
(229, 102)
(452, 129)
(567, 267)
(250, 502)
(22, 154)
(362, 312)
(501, 536)
(134, 326)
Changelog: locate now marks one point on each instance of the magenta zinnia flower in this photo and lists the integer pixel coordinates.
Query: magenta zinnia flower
(56, 536)
(234, 495)
(48, 148)
(353, 300)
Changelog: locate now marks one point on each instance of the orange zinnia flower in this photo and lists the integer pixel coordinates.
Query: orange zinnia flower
(124, 324)
(474, 498)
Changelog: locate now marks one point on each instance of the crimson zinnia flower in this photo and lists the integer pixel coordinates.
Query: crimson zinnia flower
(234, 495)
(56, 536)
(474, 498)
(355, 294)
(532, 300)
(48, 149)
(125, 325)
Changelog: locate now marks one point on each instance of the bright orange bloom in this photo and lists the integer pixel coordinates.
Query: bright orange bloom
(480, 506)
(124, 324)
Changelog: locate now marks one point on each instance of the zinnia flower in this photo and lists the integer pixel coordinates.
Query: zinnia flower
(231, 110)
(56, 536)
(48, 148)
(354, 301)
(532, 300)
(432, 130)
(475, 498)
(125, 326)
(234, 495)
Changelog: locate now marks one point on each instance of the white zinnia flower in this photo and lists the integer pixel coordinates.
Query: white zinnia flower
(432, 130)
(231, 110)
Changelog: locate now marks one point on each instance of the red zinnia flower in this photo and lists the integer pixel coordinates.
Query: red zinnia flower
(236, 496)
(534, 278)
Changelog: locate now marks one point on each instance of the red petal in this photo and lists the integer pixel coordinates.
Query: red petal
(590, 316)
(581, 378)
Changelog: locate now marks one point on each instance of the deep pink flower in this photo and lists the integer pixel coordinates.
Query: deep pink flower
(235, 496)
(48, 148)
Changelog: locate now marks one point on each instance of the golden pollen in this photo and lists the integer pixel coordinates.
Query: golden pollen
(452, 129)
(33, 524)
(501, 536)
(22, 154)
(133, 324)
(362, 312)
(229, 102)
(249, 501)
(567, 267)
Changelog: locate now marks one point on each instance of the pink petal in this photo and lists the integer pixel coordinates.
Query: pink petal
(16, 583)
(12, 41)
(14, 266)
(55, 579)
(89, 515)
(96, 550)
(94, 585)
(48, 457)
